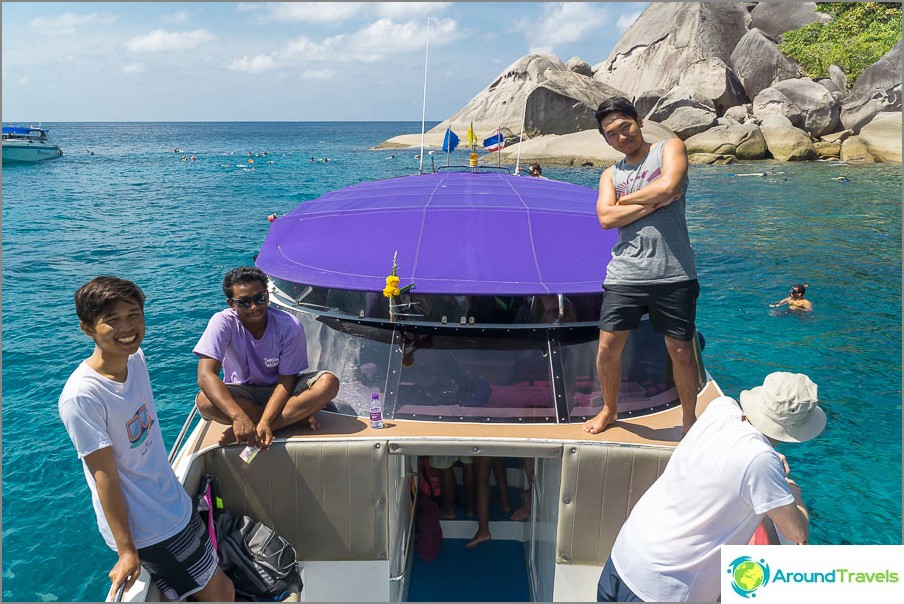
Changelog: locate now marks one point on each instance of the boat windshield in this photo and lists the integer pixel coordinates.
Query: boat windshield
(540, 372)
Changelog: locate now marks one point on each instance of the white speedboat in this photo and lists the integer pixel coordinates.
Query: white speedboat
(28, 144)
(491, 354)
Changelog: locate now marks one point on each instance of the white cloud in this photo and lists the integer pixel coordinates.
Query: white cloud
(67, 23)
(562, 23)
(337, 12)
(372, 43)
(256, 64)
(318, 74)
(24, 81)
(626, 21)
(133, 68)
(178, 17)
(161, 40)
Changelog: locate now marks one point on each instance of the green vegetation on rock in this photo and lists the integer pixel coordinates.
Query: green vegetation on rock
(856, 37)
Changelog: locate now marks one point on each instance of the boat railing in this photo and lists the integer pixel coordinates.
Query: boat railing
(406, 551)
(179, 439)
(473, 169)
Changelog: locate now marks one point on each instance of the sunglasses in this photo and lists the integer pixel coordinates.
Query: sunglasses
(247, 302)
(139, 423)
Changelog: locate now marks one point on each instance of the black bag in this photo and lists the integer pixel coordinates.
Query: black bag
(260, 563)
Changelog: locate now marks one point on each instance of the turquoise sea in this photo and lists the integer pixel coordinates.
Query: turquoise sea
(133, 208)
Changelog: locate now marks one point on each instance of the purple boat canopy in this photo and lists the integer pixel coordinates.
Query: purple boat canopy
(455, 233)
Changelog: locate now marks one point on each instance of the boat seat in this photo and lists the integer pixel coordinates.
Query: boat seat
(328, 499)
(594, 502)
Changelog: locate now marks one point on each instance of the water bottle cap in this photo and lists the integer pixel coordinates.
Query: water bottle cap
(374, 396)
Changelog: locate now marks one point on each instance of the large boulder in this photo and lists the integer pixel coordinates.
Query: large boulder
(837, 75)
(784, 141)
(714, 80)
(667, 38)
(877, 89)
(744, 141)
(882, 136)
(741, 113)
(564, 102)
(579, 66)
(775, 18)
(805, 103)
(855, 151)
(759, 64)
(684, 113)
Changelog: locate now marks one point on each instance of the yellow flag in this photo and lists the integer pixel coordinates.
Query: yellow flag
(472, 138)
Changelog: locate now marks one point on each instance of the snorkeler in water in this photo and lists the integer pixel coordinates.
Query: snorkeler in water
(795, 299)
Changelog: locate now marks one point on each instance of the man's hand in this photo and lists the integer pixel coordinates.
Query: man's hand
(126, 570)
(244, 431)
(264, 434)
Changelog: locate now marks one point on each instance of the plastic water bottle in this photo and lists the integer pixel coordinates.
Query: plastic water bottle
(376, 411)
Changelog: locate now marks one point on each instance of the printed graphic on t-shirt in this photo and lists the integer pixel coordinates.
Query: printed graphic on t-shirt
(627, 185)
(139, 426)
(271, 363)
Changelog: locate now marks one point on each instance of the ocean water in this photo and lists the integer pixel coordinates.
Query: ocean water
(133, 208)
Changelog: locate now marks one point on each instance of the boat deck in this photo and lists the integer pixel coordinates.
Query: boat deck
(658, 429)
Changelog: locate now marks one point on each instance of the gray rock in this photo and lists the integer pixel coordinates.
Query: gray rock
(744, 141)
(669, 37)
(775, 18)
(854, 151)
(805, 103)
(877, 89)
(741, 113)
(710, 159)
(837, 75)
(564, 102)
(759, 64)
(645, 101)
(714, 80)
(784, 141)
(882, 136)
(828, 84)
(579, 66)
(684, 112)
(837, 137)
(826, 150)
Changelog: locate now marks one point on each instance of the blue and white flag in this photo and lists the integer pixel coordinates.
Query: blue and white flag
(495, 142)
(450, 142)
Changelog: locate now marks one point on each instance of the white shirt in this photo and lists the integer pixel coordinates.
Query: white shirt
(99, 412)
(720, 481)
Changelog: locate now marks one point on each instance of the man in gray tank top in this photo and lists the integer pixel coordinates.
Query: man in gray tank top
(652, 267)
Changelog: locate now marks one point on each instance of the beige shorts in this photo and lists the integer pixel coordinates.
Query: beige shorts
(262, 394)
(444, 462)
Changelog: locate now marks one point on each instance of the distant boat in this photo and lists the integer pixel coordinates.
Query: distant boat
(28, 144)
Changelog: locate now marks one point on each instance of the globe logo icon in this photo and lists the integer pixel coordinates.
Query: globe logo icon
(748, 575)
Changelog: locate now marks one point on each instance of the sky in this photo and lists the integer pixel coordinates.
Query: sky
(268, 61)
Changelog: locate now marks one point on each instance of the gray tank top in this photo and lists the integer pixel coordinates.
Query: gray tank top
(655, 248)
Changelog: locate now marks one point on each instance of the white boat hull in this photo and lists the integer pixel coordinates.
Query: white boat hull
(29, 151)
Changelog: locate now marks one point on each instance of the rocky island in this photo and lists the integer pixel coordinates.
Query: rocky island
(710, 73)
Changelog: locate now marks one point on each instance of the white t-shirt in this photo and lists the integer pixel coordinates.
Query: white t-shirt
(99, 412)
(720, 481)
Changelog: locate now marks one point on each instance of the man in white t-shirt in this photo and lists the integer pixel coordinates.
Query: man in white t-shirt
(107, 406)
(723, 477)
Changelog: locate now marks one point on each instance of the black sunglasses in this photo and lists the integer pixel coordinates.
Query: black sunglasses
(247, 302)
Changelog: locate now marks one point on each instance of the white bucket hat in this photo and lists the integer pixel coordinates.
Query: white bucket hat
(784, 407)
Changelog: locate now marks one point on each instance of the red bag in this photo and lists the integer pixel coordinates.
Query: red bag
(429, 530)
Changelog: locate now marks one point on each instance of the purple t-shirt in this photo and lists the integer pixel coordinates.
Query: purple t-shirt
(282, 350)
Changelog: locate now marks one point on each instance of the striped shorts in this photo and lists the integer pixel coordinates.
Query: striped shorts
(182, 564)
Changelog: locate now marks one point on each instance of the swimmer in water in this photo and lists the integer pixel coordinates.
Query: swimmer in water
(795, 299)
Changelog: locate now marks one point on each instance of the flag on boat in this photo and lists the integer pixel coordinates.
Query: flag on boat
(495, 142)
(472, 138)
(450, 142)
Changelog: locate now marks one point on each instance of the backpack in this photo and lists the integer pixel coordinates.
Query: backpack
(260, 563)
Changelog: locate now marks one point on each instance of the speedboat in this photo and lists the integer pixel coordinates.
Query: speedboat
(28, 144)
(491, 353)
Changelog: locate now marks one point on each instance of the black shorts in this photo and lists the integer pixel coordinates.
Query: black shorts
(182, 564)
(672, 308)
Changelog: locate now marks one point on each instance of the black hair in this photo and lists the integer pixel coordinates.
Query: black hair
(801, 289)
(243, 274)
(615, 104)
(97, 296)
(535, 167)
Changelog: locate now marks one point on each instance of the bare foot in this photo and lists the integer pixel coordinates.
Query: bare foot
(227, 437)
(313, 424)
(479, 538)
(447, 514)
(599, 423)
(522, 513)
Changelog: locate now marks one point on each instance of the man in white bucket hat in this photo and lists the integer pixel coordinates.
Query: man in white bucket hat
(722, 478)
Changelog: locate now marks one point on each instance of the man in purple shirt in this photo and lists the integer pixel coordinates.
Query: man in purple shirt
(263, 354)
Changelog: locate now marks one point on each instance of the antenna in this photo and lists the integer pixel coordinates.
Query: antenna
(521, 138)
(424, 107)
